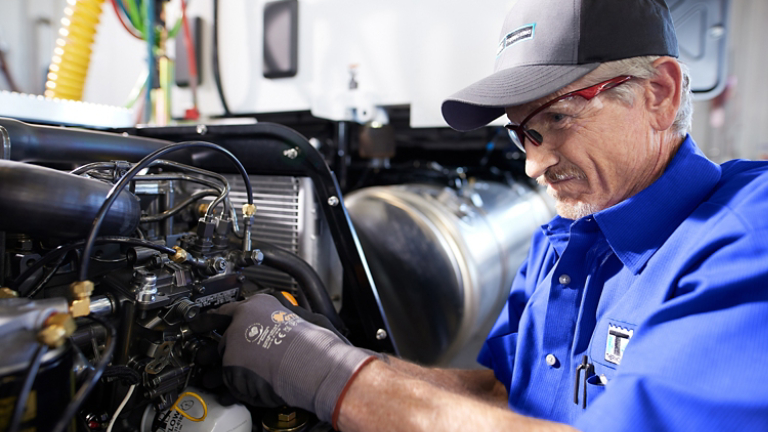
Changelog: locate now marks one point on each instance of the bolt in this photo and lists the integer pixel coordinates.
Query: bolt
(333, 201)
(257, 256)
(286, 417)
(381, 334)
(291, 153)
(202, 129)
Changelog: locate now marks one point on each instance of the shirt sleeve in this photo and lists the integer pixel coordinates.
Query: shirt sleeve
(498, 351)
(699, 361)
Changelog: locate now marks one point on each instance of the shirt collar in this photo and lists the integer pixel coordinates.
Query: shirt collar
(638, 226)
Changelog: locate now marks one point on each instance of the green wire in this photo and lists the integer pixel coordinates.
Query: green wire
(135, 17)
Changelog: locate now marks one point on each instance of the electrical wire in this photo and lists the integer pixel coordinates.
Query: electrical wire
(29, 379)
(168, 213)
(191, 56)
(216, 70)
(129, 28)
(144, 163)
(50, 256)
(135, 16)
(149, 24)
(92, 378)
(120, 407)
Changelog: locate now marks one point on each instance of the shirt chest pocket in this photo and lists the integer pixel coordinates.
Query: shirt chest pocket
(606, 350)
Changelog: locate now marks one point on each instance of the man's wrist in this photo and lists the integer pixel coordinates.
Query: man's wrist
(315, 370)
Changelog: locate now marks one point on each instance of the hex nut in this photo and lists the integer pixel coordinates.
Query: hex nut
(80, 307)
(249, 209)
(81, 289)
(180, 256)
(286, 417)
(58, 327)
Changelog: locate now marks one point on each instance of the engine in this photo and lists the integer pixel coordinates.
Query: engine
(114, 249)
(115, 246)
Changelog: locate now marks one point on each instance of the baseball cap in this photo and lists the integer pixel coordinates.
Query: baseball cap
(547, 44)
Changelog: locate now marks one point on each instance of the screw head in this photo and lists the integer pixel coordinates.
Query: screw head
(291, 153)
(202, 129)
(333, 201)
(381, 334)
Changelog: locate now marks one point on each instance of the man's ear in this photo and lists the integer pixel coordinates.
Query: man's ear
(663, 93)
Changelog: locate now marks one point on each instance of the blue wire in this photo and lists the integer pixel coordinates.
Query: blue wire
(125, 10)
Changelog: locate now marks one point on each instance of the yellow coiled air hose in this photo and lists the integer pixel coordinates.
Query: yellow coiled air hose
(72, 55)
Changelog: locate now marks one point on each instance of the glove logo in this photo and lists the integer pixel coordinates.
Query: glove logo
(282, 317)
(253, 331)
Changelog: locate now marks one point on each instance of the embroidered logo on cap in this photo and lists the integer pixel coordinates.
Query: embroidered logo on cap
(523, 33)
(616, 343)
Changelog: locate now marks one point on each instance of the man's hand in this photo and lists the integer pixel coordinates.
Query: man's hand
(307, 366)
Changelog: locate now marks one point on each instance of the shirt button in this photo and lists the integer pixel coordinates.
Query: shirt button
(551, 360)
(564, 279)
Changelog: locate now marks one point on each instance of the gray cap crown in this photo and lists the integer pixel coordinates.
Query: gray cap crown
(545, 45)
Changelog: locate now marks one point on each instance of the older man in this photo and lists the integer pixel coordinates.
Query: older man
(642, 306)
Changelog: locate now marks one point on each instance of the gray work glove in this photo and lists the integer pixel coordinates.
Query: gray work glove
(306, 365)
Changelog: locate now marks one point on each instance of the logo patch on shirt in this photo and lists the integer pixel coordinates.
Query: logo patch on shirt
(616, 343)
(523, 33)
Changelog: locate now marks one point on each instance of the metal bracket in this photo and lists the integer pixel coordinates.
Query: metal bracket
(5, 151)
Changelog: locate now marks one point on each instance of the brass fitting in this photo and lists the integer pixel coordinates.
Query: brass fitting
(8, 293)
(57, 328)
(81, 298)
(249, 209)
(202, 208)
(180, 256)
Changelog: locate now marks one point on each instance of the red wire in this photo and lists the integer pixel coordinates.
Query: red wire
(129, 29)
(192, 60)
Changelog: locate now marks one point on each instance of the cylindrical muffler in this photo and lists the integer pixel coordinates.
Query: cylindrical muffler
(41, 201)
(443, 260)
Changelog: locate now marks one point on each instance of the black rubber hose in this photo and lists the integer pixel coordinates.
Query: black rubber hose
(216, 67)
(94, 376)
(50, 256)
(29, 379)
(144, 163)
(308, 279)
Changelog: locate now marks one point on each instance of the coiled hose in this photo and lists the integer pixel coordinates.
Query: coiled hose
(72, 55)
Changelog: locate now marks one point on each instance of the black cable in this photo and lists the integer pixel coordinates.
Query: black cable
(216, 70)
(168, 213)
(308, 279)
(29, 379)
(33, 292)
(92, 379)
(50, 256)
(126, 374)
(144, 163)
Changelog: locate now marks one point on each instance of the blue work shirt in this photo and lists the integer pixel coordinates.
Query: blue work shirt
(666, 293)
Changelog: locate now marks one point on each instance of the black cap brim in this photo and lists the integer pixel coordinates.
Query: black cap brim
(485, 101)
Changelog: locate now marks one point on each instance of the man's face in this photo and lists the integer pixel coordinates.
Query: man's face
(594, 160)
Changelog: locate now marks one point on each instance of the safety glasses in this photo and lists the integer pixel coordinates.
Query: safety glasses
(558, 114)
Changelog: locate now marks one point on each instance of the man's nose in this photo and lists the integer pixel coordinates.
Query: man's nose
(538, 159)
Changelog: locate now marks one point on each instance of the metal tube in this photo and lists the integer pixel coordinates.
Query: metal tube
(102, 305)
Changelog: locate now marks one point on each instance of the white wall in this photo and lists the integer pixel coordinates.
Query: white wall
(406, 52)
